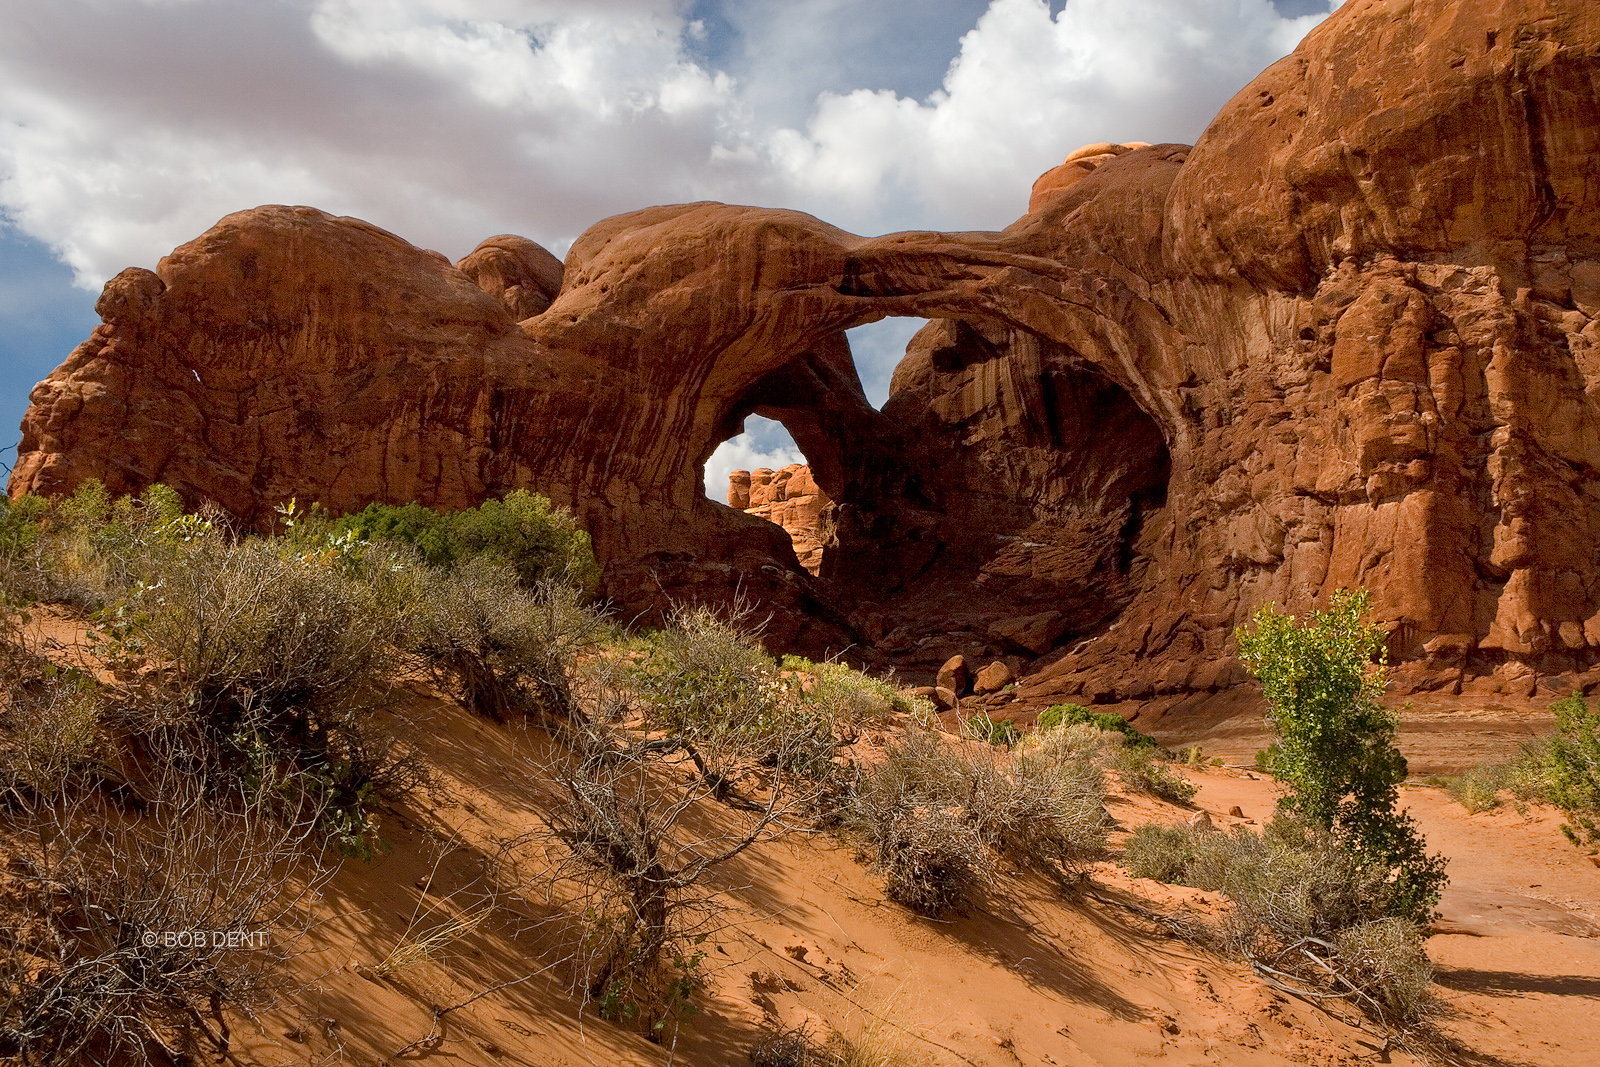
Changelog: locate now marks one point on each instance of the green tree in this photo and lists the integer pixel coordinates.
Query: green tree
(1336, 741)
(1573, 765)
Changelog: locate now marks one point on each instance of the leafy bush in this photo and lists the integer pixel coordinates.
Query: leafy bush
(1572, 763)
(523, 531)
(19, 523)
(1336, 749)
(1563, 770)
(1058, 715)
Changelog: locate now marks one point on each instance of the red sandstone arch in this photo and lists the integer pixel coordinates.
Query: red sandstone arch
(1351, 336)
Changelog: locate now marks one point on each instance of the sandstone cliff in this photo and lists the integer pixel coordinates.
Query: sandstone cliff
(790, 498)
(1348, 338)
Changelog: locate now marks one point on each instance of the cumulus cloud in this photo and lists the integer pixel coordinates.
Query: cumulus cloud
(128, 126)
(1026, 89)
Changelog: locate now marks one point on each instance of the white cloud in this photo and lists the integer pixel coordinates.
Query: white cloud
(1025, 90)
(764, 443)
(129, 126)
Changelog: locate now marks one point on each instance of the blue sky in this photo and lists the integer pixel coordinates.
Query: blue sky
(130, 126)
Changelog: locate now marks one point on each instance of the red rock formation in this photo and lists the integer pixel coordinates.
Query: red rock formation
(1078, 165)
(1349, 338)
(521, 273)
(790, 498)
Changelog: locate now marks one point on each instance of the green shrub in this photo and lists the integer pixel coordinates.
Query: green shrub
(845, 695)
(1140, 767)
(1563, 770)
(507, 650)
(1002, 733)
(1057, 715)
(20, 523)
(1572, 762)
(708, 683)
(1335, 749)
(271, 665)
(1479, 788)
(523, 531)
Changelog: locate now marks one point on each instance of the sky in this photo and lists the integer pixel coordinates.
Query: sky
(130, 126)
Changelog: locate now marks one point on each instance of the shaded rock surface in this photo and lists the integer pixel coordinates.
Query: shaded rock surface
(1348, 338)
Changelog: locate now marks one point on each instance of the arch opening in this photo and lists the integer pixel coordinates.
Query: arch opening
(877, 349)
(764, 474)
(1049, 509)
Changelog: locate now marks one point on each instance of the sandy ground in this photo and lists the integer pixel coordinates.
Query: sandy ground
(807, 938)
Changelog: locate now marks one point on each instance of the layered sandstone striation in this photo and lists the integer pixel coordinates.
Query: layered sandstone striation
(1348, 338)
(790, 498)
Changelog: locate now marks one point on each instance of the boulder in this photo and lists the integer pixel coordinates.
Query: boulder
(1030, 633)
(522, 274)
(993, 678)
(955, 675)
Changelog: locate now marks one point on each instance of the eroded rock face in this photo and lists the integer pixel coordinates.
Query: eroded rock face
(1348, 338)
(790, 498)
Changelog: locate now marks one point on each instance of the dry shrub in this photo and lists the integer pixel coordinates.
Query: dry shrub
(266, 663)
(844, 695)
(1384, 959)
(642, 840)
(1303, 907)
(507, 649)
(49, 721)
(99, 960)
(790, 1048)
(706, 680)
(932, 859)
(936, 814)
(1161, 853)
(243, 625)
(51, 730)
(1142, 768)
(869, 1047)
